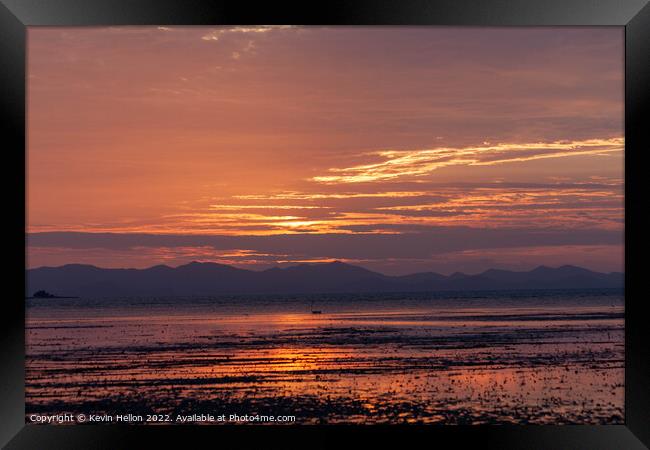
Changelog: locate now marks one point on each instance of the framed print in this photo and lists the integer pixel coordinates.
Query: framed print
(357, 220)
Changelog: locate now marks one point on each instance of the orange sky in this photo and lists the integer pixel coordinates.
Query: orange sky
(397, 148)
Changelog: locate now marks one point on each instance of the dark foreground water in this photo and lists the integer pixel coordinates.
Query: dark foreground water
(471, 358)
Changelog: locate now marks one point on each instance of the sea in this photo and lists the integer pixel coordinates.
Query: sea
(470, 358)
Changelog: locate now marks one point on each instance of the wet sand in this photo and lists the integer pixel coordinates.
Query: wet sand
(481, 359)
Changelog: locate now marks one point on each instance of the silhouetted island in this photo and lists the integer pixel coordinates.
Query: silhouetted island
(336, 277)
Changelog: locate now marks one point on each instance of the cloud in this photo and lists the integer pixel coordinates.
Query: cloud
(399, 164)
(446, 248)
(215, 35)
(432, 240)
(561, 205)
(238, 207)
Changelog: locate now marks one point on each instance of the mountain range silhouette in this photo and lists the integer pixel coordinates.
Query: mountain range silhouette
(198, 278)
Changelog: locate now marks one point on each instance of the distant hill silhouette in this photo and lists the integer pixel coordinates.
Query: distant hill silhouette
(213, 279)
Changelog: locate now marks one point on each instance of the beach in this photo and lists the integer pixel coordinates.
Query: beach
(515, 357)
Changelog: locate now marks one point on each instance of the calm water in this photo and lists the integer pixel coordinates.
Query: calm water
(450, 358)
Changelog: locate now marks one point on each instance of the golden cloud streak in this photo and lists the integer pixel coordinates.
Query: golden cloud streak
(216, 34)
(485, 207)
(493, 198)
(239, 207)
(320, 196)
(416, 163)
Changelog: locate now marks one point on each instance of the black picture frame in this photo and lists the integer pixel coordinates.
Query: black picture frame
(16, 15)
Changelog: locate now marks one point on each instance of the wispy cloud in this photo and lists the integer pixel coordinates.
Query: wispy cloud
(322, 196)
(398, 164)
(219, 207)
(215, 35)
(560, 206)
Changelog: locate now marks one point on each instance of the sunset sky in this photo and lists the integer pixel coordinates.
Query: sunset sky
(400, 149)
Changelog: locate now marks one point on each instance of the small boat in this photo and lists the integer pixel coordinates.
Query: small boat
(315, 311)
